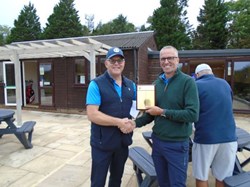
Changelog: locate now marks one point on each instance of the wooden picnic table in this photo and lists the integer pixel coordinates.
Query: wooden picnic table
(243, 140)
(23, 133)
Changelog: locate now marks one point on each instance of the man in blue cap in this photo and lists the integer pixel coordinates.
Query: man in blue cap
(109, 100)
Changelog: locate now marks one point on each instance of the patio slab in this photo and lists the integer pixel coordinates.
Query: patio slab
(61, 153)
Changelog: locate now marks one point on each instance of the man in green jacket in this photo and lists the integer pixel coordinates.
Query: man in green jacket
(177, 107)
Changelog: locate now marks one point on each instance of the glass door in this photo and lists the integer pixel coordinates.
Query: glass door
(9, 81)
(46, 84)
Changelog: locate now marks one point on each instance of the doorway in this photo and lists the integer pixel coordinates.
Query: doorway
(46, 85)
(10, 85)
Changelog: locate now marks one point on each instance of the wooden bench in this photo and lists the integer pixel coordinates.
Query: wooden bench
(143, 166)
(247, 147)
(12, 120)
(24, 133)
(147, 135)
(240, 180)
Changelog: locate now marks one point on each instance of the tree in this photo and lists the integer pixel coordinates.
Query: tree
(27, 27)
(146, 28)
(64, 22)
(143, 28)
(239, 24)
(118, 25)
(102, 29)
(4, 33)
(171, 24)
(90, 21)
(212, 32)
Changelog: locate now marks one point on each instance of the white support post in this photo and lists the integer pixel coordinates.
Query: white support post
(15, 59)
(92, 64)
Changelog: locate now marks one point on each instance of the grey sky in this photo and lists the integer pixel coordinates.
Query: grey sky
(136, 11)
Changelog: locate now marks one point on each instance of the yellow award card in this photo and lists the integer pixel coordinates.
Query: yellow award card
(145, 96)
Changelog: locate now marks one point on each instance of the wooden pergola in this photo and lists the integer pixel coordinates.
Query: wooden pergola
(54, 48)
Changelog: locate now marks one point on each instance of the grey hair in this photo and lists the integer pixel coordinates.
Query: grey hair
(205, 72)
(169, 47)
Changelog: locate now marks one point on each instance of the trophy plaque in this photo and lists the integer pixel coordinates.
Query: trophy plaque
(145, 96)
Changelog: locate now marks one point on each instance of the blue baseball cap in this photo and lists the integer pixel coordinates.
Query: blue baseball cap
(114, 51)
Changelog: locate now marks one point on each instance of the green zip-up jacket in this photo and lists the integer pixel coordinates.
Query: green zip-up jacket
(180, 99)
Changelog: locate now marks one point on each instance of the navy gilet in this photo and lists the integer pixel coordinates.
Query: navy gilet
(110, 137)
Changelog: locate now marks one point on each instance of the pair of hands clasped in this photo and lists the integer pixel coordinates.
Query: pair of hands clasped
(127, 126)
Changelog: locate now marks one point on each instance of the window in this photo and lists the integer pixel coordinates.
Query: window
(241, 88)
(100, 66)
(183, 67)
(80, 71)
(1, 72)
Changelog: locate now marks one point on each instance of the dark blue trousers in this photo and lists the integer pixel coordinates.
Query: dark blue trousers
(171, 162)
(102, 161)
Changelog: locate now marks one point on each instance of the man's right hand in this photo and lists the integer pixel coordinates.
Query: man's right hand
(126, 125)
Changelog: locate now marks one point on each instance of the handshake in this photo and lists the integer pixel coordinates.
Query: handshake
(126, 125)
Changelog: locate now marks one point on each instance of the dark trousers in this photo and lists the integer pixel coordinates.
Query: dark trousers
(171, 162)
(104, 160)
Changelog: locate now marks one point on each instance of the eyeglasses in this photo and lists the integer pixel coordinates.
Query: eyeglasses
(170, 59)
(113, 61)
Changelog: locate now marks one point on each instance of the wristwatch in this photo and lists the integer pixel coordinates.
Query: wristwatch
(163, 114)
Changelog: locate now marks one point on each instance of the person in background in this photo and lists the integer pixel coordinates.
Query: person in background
(177, 106)
(215, 143)
(109, 99)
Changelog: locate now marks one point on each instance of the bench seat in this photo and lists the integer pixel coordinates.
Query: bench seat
(143, 164)
(240, 180)
(26, 128)
(247, 147)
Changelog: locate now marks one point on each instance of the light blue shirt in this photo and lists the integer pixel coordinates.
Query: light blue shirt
(94, 96)
(164, 78)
